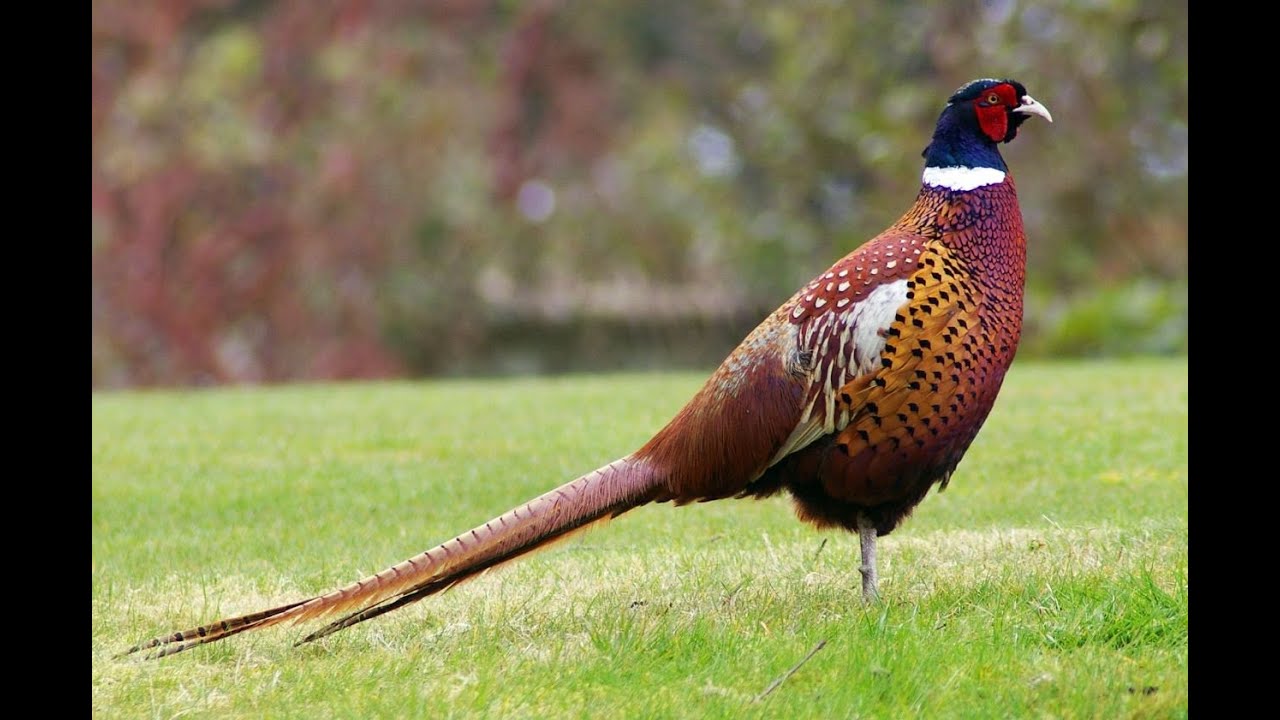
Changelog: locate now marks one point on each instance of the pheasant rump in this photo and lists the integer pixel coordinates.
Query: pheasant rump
(856, 396)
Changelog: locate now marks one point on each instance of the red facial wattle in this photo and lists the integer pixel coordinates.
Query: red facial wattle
(992, 108)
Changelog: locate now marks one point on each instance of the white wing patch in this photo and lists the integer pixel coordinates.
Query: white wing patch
(868, 321)
(961, 178)
(861, 327)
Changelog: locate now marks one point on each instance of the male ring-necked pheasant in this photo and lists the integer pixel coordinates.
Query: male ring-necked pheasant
(856, 396)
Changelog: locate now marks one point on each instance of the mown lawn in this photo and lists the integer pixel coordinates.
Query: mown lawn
(1049, 580)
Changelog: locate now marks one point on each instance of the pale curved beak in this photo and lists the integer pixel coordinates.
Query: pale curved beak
(1031, 107)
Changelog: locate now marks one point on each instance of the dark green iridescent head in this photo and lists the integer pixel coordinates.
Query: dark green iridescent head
(977, 117)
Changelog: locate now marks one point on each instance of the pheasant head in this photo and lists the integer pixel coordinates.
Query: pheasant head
(978, 117)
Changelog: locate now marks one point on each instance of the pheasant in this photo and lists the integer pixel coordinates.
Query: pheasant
(856, 396)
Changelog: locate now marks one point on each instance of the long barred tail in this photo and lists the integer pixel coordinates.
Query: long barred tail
(597, 496)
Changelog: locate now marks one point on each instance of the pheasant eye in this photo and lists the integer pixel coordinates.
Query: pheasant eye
(993, 98)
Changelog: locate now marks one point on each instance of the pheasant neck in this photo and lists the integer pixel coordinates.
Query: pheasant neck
(959, 143)
(959, 177)
(982, 227)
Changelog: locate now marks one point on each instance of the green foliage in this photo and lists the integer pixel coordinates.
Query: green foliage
(291, 190)
(1141, 315)
(1050, 579)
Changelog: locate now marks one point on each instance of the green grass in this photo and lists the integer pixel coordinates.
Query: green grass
(1049, 580)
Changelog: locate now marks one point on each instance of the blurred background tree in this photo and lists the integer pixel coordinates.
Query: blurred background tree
(316, 190)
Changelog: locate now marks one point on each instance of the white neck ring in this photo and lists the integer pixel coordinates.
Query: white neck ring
(962, 178)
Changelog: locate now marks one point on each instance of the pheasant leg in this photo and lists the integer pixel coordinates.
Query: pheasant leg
(867, 536)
